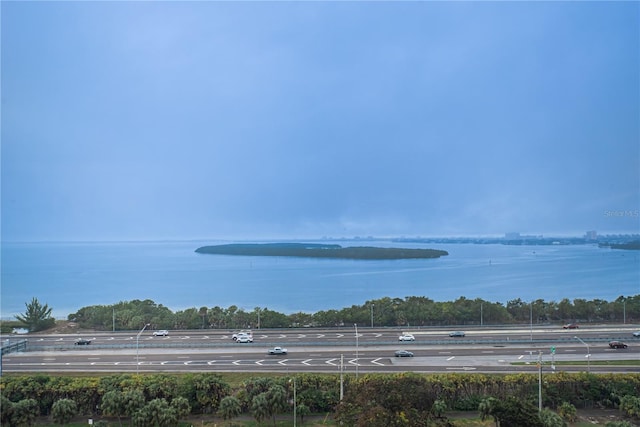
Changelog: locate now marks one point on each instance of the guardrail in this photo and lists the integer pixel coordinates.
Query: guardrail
(12, 347)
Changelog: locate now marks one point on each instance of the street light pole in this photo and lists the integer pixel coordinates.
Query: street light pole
(295, 415)
(357, 345)
(372, 305)
(539, 381)
(588, 353)
(531, 319)
(137, 346)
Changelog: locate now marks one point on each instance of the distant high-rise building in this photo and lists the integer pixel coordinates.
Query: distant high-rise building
(591, 235)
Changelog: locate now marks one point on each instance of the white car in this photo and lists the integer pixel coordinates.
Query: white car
(240, 334)
(406, 337)
(636, 334)
(244, 339)
(278, 350)
(161, 333)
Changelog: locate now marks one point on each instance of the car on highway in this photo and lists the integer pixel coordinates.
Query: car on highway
(636, 334)
(617, 344)
(82, 341)
(403, 353)
(457, 334)
(277, 350)
(160, 333)
(242, 333)
(244, 339)
(570, 326)
(406, 337)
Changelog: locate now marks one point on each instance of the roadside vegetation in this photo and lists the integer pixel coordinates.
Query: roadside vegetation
(393, 312)
(383, 312)
(372, 400)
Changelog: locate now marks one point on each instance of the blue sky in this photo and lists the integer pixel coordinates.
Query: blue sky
(246, 120)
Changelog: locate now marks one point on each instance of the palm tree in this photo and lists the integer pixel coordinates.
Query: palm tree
(260, 407)
(229, 407)
(487, 408)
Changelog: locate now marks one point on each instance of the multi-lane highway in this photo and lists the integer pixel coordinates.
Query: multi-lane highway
(330, 350)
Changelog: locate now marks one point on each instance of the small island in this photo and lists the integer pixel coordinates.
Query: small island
(316, 250)
(631, 246)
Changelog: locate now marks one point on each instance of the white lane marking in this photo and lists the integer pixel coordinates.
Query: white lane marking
(521, 356)
(259, 362)
(451, 358)
(376, 361)
(282, 362)
(306, 362)
(330, 362)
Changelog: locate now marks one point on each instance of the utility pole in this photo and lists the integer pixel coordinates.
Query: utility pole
(372, 305)
(357, 363)
(341, 376)
(540, 381)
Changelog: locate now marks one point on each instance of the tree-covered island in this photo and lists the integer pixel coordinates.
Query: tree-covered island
(317, 250)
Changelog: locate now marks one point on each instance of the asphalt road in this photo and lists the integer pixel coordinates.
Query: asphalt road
(315, 350)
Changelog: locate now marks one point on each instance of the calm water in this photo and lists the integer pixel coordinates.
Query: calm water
(69, 276)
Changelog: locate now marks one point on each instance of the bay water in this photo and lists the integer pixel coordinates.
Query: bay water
(69, 276)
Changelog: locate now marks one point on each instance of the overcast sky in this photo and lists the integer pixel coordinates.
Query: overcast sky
(243, 120)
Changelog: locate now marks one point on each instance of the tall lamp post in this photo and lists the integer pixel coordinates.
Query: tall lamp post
(588, 353)
(372, 305)
(137, 346)
(356, 326)
(531, 319)
(295, 415)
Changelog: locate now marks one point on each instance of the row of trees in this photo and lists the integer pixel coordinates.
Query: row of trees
(371, 400)
(410, 311)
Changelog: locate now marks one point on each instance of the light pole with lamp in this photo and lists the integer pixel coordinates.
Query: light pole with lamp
(356, 326)
(588, 353)
(293, 380)
(137, 346)
(531, 319)
(372, 305)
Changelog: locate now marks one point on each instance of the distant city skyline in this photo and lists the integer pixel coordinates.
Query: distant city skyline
(295, 120)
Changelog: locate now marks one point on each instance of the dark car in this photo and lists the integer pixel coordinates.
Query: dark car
(570, 326)
(456, 334)
(403, 353)
(82, 341)
(617, 344)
